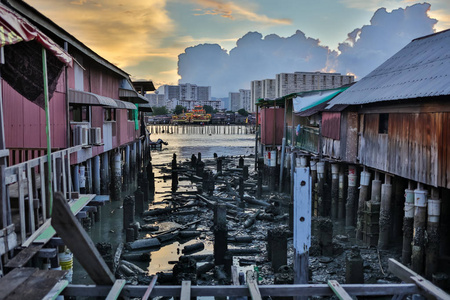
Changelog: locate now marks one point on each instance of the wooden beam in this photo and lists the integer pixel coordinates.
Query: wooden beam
(115, 291)
(253, 286)
(149, 290)
(408, 275)
(30, 201)
(185, 293)
(57, 289)
(24, 256)
(78, 241)
(280, 290)
(338, 290)
(14, 279)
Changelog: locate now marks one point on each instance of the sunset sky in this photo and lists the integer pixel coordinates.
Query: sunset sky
(145, 37)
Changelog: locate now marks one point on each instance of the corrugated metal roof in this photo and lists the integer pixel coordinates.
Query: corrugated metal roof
(82, 97)
(421, 69)
(125, 105)
(304, 102)
(133, 96)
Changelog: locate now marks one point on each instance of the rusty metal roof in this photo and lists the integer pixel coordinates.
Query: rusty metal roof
(421, 69)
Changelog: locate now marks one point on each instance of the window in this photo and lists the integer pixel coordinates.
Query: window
(79, 113)
(109, 114)
(383, 124)
(130, 114)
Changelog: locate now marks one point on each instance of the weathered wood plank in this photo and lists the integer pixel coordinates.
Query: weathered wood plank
(24, 256)
(338, 290)
(23, 232)
(116, 289)
(150, 287)
(255, 294)
(43, 187)
(185, 293)
(30, 201)
(81, 290)
(76, 238)
(410, 276)
(56, 290)
(37, 285)
(14, 279)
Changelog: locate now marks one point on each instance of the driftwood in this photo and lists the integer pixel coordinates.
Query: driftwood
(199, 257)
(189, 234)
(182, 227)
(252, 200)
(205, 268)
(251, 220)
(240, 239)
(147, 227)
(133, 267)
(137, 256)
(193, 248)
(243, 251)
(144, 243)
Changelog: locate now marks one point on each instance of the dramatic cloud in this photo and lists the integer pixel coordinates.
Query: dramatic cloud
(256, 57)
(233, 11)
(369, 46)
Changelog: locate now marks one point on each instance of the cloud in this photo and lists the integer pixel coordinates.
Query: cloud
(233, 11)
(256, 57)
(369, 46)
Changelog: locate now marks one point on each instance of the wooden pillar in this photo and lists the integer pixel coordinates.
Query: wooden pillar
(334, 190)
(363, 195)
(350, 205)
(432, 247)
(385, 213)
(408, 224)
(420, 215)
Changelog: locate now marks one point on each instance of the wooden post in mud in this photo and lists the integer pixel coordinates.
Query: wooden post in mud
(341, 202)
(150, 178)
(321, 206)
(363, 196)
(139, 201)
(220, 233)
(350, 204)
(420, 216)
(302, 224)
(334, 190)
(128, 212)
(385, 213)
(116, 181)
(174, 173)
(432, 247)
(408, 224)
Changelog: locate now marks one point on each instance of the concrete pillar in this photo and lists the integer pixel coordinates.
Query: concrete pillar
(334, 190)
(354, 272)
(433, 244)
(408, 225)
(341, 193)
(420, 218)
(363, 197)
(116, 180)
(139, 201)
(350, 205)
(385, 213)
(104, 174)
(277, 247)
(321, 209)
(76, 178)
(376, 189)
(96, 174)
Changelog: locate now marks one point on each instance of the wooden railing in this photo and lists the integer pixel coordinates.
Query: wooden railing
(26, 189)
(308, 139)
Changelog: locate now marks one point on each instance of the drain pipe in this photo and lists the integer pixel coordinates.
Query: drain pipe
(408, 224)
(432, 248)
(420, 214)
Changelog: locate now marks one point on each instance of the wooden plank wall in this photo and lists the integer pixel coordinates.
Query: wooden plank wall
(415, 146)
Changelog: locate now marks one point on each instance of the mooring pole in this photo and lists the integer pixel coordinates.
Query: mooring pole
(420, 216)
(363, 195)
(302, 224)
(432, 247)
(385, 213)
(408, 224)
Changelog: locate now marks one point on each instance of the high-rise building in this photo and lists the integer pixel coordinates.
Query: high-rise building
(188, 95)
(288, 83)
(155, 99)
(246, 99)
(257, 91)
(235, 101)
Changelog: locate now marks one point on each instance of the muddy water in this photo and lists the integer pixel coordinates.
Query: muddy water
(109, 229)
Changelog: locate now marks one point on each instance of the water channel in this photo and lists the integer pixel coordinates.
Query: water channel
(221, 141)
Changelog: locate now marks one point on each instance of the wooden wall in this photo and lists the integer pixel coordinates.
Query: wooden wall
(415, 146)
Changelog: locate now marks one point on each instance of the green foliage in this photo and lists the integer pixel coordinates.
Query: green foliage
(160, 110)
(179, 109)
(243, 112)
(209, 109)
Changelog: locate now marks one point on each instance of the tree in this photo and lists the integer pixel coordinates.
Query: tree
(208, 109)
(160, 110)
(179, 109)
(243, 112)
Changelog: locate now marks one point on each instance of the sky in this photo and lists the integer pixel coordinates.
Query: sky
(227, 44)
